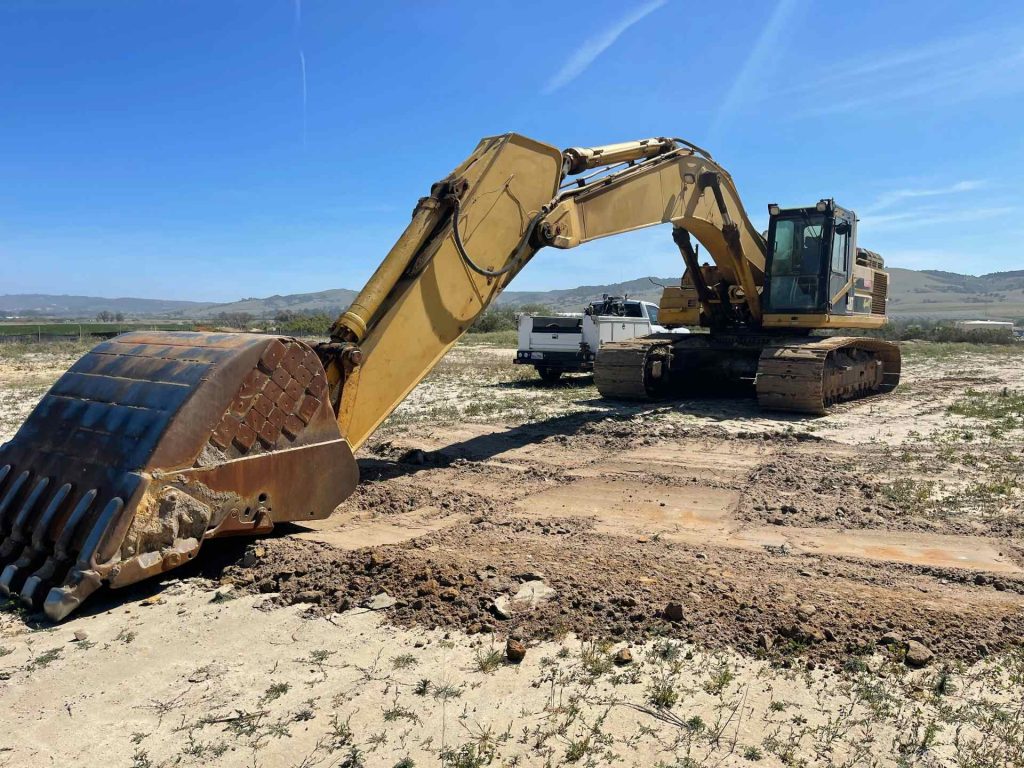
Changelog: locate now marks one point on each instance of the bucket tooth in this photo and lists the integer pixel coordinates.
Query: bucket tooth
(15, 537)
(83, 579)
(9, 578)
(171, 439)
(40, 581)
(12, 493)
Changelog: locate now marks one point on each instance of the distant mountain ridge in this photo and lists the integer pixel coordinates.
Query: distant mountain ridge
(932, 294)
(47, 305)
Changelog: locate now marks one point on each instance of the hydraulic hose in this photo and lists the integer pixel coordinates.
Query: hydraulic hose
(461, 248)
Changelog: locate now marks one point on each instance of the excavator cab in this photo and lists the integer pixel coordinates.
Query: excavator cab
(798, 264)
(814, 274)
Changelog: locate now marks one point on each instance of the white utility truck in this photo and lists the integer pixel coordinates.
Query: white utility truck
(556, 344)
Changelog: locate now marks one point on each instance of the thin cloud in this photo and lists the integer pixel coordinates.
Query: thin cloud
(745, 84)
(930, 217)
(896, 196)
(302, 65)
(943, 72)
(587, 53)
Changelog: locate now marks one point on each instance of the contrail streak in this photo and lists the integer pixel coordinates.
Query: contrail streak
(302, 63)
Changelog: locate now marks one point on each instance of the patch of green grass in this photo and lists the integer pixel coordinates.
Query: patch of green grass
(446, 692)
(507, 338)
(1005, 408)
(467, 756)
(721, 676)
(45, 659)
(488, 661)
(662, 693)
(397, 712)
(276, 691)
(908, 494)
(126, 636)
(403, 661)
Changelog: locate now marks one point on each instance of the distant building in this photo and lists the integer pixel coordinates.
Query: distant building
(969, 325)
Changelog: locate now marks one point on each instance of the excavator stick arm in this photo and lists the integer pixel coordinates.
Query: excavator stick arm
(683, 187)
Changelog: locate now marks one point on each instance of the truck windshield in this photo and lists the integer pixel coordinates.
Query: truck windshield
(796, 262)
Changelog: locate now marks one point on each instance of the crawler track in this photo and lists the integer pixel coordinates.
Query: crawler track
(632, 370)
(797, 374)
(809, 375)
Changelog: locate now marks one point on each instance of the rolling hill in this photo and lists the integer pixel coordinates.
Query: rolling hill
(927, 294)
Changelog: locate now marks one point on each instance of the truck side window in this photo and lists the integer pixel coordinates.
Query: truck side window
(652, 314)
(634, 309)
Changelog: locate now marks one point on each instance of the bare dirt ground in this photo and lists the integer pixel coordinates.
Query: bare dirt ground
(844, 590)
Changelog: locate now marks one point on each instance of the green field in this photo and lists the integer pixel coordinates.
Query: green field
(42, 331)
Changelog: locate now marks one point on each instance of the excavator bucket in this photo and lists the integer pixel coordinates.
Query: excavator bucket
(152, 443)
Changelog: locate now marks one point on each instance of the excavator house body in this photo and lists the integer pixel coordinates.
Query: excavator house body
(153, 442)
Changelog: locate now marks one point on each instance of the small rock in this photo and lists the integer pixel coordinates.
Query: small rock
(501, 608)
(805, 611)
(623, 657)
(776, 520)
(428, 587)
(918, 655)
(380, 602)
(701, 556)
(515, 651)
(674, 611)
(765, 642)
(529, 576)
(805, 633)
(157, 599)
(533, 593)
(891, 638)
(81, 636)
(220, 594)
(450, 595)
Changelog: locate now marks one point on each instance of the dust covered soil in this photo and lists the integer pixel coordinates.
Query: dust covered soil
(692, 583)
(703, 520)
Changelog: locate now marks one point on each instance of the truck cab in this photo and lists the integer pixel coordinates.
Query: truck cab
(568, 343)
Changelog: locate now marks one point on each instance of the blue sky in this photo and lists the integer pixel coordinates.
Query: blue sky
(215, 150)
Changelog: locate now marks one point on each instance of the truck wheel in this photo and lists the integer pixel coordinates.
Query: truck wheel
(550, 375)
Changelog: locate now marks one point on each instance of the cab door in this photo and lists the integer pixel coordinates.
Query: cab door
(839, 267)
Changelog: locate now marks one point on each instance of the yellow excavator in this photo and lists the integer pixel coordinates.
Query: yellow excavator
(154, 442)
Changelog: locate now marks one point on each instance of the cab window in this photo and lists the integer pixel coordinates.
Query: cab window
(797, 263)
(652, 314)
